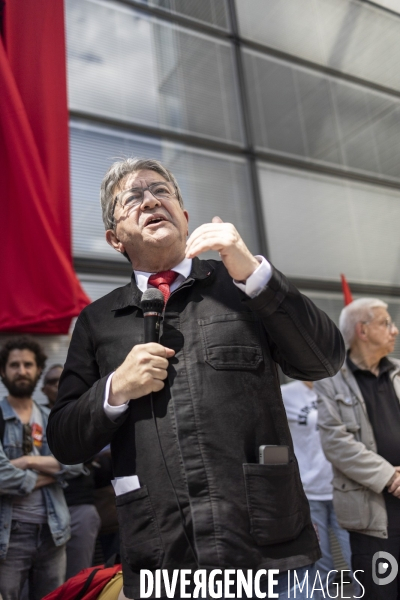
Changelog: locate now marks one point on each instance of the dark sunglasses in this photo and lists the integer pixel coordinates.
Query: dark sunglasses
(27, 443)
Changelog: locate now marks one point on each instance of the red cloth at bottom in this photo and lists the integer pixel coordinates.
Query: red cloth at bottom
(71, 588)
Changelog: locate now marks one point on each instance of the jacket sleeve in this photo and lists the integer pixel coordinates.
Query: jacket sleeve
(350, 456)
(72, 471)
(65, 471)
(304, 341)
(80, 402)
(14, 481)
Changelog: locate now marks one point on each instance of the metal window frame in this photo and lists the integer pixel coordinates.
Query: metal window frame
(376, 4)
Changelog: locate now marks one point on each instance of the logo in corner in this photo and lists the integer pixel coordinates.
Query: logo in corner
(386, 560)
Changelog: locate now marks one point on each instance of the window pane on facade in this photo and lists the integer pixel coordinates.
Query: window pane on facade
(299, 112)
(350, 36)
(318, 226)
(212, 12)
(211, 183)
(126, 65)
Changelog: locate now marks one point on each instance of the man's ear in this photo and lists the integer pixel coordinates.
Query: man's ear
(185, 212)
(114, 241)
(360, 331)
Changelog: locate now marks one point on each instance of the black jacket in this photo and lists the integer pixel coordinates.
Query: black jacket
(221, 402)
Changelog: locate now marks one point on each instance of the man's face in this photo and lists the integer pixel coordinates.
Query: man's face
(380, 332)
(50, 385)
(153, 233)
(21, 373)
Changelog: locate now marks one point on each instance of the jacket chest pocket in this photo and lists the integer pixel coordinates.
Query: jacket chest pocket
(346, 408)
(231, 341)
(141, 543)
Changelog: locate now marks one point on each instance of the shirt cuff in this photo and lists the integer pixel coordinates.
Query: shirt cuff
(257, 280)
(112, 412)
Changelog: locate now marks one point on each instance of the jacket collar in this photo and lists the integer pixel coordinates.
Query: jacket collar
(346, 370)
(7, 410)
(351, 381)
(396, 370)
(352, 384)
(130, 295)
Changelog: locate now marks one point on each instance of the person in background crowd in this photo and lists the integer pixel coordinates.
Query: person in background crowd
(85, 521)
(300, 402)
(105, 503)
(33, 514)
(185, 459)
(359, 420)
(79, 494)
(50, 383)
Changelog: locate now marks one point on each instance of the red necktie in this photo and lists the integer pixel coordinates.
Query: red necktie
(162, 281)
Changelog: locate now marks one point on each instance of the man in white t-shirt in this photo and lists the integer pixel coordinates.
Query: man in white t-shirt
(316, 475)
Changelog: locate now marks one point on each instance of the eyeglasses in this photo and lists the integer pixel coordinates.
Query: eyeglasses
(386, 323)
(27, 443)
(131, 199)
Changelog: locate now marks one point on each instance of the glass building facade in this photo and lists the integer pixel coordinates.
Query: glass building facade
(282, 117)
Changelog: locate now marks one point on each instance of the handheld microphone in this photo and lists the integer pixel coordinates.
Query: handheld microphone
(152, 305)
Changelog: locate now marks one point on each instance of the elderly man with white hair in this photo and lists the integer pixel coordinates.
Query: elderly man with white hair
(359, 421)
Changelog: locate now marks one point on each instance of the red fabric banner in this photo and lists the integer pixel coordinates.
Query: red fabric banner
(40, 290)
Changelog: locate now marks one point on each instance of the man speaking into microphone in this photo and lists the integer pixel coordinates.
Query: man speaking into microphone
(186, 417)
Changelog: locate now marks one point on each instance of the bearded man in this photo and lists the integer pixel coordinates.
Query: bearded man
(34, 518)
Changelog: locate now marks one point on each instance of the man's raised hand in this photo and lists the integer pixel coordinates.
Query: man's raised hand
(142, 372)
(224, 238)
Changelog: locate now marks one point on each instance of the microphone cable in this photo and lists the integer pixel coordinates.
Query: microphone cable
(182, 516)
(152, 305)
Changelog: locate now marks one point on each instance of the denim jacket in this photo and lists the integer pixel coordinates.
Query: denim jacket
(19, 482)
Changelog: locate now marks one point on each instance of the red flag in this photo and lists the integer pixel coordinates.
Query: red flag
(346, 291)
(40, 290)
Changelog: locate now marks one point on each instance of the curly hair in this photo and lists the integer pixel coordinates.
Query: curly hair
(22, 343)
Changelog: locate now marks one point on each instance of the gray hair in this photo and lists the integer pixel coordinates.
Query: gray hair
(117, 172)
(357, 311)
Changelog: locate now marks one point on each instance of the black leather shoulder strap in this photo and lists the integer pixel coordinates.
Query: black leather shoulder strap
(87, 583)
